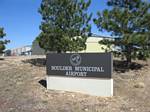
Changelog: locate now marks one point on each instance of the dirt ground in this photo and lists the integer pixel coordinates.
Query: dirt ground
(22, 89)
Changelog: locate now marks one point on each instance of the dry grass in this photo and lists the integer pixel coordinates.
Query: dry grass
(22, 90)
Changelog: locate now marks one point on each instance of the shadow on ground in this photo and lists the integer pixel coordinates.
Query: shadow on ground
(40, 62)
(121, 66)
(1, 58)
(43, 83)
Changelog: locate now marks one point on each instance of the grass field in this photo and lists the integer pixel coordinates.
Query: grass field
(22, 89)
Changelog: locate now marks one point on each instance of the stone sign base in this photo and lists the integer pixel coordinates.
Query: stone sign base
(95, 87)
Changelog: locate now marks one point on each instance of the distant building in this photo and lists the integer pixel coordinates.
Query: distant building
(25, 50)
(92, 45)
(36, 49)
(7, 52)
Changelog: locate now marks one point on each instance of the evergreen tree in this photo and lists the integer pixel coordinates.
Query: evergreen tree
(65, 25)
(2, 41)
(128, 22)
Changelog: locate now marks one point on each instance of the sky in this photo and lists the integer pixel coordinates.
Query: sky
(21, 20)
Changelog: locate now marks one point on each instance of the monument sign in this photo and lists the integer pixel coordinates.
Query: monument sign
(79, 72)
(83, 65)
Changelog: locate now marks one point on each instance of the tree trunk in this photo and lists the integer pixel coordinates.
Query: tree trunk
(59, 51)
(128, 57)
(128, 60)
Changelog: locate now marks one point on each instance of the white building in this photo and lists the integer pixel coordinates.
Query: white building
(25, 50)
(92, 44)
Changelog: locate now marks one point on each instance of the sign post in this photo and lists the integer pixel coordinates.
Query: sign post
(88, 73)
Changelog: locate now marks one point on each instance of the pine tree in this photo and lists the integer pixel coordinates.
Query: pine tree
(128, 22)
(2, 41)
(65, 25)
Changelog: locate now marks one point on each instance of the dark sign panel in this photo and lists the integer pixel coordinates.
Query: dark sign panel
(96, 65)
